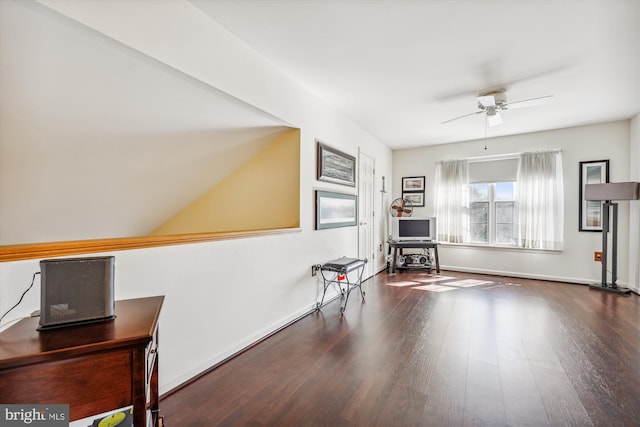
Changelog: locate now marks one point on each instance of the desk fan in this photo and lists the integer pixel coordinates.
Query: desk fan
(401, 207)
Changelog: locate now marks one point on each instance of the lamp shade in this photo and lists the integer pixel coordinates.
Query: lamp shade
(613, 191)
(493, 117)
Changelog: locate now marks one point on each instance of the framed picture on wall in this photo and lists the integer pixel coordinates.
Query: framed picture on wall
(413, 190)
(412, 183)
(592, 172)
(335, 210)
(336, 166)
(416, 199)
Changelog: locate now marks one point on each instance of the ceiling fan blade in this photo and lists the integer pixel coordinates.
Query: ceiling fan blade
(494, 119)
(461, 117)
(487, 101)
(534, 102)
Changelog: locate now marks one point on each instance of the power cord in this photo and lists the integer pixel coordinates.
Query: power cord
(33, 279)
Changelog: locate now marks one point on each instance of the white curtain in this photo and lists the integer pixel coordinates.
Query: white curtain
(540, 200)
(452, 201)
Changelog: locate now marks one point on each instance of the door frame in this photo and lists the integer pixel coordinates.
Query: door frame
(366, 212)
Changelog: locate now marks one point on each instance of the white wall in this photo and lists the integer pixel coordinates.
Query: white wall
(575, 263)
(144, 129)
(634, 172)
(221, 296)
(634, 208)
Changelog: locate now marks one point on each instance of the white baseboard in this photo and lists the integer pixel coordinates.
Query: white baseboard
(578, 280)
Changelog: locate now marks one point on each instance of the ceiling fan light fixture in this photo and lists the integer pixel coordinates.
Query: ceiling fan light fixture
(493, 117)
(491, 103)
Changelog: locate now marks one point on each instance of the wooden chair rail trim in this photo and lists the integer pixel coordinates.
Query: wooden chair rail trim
(75, 247)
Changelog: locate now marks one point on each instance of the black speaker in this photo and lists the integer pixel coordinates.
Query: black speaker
(75, 291)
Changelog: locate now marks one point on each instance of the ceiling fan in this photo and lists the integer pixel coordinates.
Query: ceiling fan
(492, 103)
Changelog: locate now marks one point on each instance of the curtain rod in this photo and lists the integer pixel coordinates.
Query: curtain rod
(493, 157)
(501, 156)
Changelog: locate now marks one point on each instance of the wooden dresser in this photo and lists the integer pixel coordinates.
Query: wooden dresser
(94, 367)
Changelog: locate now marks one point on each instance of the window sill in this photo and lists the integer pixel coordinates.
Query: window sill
(499, 248)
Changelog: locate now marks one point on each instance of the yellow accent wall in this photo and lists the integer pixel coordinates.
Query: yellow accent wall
(264, 193)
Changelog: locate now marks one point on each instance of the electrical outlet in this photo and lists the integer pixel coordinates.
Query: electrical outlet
(597, 256)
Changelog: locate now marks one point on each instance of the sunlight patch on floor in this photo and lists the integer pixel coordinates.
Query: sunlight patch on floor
(435, 288)
(468, 283)
(435, 279)
(439, 283)
(402, 284)
(453, 285)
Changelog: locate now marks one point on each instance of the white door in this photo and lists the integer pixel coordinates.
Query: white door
(365, 213)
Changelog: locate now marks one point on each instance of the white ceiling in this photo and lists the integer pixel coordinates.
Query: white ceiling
(401, 68)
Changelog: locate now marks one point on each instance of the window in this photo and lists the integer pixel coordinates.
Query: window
(514, 200)
(505, 213)
(493, 213)
(479, 212)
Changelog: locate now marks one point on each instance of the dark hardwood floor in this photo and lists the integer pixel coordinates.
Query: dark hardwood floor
(470, 350)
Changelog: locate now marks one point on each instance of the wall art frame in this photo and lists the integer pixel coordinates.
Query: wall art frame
(335, 166)
(592, 172)
(416, 198)
(335, 210)
(412, 184)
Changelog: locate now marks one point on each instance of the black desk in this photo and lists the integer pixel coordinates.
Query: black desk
(413, 245)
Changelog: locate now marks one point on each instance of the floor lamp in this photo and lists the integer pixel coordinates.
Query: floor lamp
(609, 192)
